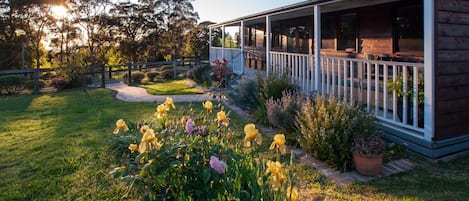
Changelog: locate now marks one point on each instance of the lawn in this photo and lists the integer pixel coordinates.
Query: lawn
(171, 87)
(58, 147)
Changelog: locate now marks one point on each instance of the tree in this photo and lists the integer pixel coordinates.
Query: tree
(179, 17)
(197, 40)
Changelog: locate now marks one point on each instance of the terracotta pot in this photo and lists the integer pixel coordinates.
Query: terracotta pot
(368, 166)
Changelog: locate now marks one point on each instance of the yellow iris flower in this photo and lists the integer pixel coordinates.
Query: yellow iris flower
(169, 102)
(144, 129)
(149, 140)
(221, 116)
(277, 180)
(133, 148)
(183, 121)
(252, 134)
(208, 106)
(273, 167)
(292, 193)
(277, 177)
(161, 111)
(120, 125)
(279, 142)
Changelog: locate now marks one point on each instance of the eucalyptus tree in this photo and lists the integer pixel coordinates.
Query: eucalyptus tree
(90, 14)
(197, 40)
(131, 25)
(179, 18)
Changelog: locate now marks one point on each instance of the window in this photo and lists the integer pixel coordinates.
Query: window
(303, 39)
(276, 38)
(409, 29)
(328, 32)
(339, 32)
(291, 39)
(347, 33)
(216, 37)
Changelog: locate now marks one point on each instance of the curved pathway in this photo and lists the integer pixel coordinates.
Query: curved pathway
(137, 94)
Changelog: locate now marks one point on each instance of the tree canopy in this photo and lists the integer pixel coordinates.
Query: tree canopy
(98, 31)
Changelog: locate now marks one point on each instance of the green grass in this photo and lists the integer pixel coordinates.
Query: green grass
(58, 147)
(171, 87)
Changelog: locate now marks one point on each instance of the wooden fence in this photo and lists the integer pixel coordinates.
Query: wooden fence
(106, 72)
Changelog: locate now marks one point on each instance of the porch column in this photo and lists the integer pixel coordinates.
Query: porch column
(223, 41)
(267, 44)
(317, 45)
(210, 44)
(242, 46)
(429, 68)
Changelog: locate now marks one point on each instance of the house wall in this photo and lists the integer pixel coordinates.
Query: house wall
(375, 29)
(452, 69)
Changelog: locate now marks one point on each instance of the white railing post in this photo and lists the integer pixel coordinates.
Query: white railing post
(210, 56)
(267, 44)
(429, 68)
(317, 44)
(223, 41)
(242, 47)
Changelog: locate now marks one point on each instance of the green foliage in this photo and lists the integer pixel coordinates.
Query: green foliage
(29, 84)
(201, 75)
(11, 84)
(178, 164)
(245, 95)
(327, 128)
(151, 76)
(281, 112)
(137, 76)
(59, 83)
(398, 87)
(270, 88)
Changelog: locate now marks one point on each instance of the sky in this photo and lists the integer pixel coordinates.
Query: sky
(224, 10)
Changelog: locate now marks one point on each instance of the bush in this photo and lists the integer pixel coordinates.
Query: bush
(327, 129)
(11, 84)
(181, 161)
(59, 83)
(151, 76)
(29, 84)
(270, 88)
(281, 113)
(245, 95)
(201, 75)
(137, 77)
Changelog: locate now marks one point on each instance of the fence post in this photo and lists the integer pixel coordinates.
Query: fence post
(110, 72)
(129, 73)
(36, 81)
(174, 69)
(103, 76)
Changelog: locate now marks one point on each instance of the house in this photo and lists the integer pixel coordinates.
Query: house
(406, 61)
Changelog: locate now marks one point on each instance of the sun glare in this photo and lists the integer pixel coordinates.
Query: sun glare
(59, 11)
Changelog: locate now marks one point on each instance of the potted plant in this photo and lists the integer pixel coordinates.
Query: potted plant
(367, 147)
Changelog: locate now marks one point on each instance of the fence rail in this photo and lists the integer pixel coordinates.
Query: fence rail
(101, 71)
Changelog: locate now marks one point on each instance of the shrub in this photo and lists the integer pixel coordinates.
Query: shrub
(29, 84)
(328, 127)
(182, 161)
(59, 83)
(245, 95)
(11, 84)
(281, 113)
(151, 76)
(137, 76)
(270, 88)
(201, 75)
